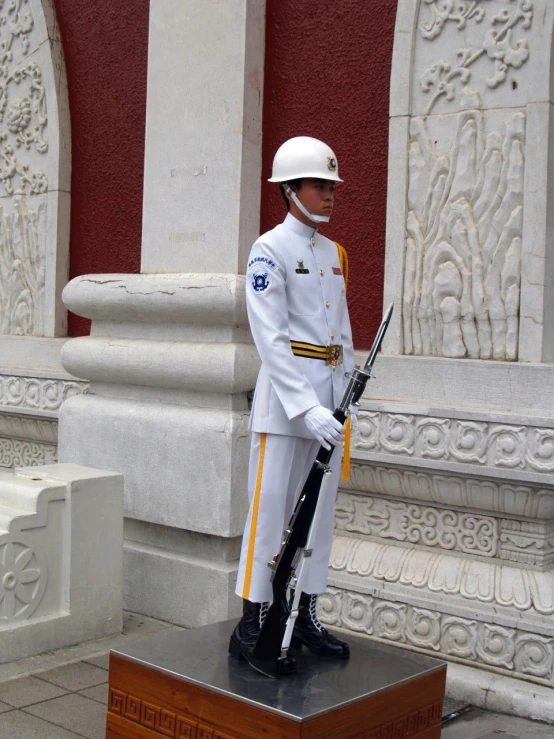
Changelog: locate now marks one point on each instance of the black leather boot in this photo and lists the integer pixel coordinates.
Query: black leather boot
(311, 633)
(245, 635)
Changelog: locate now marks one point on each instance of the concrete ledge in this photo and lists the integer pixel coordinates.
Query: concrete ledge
(183, 589)
(493, 692)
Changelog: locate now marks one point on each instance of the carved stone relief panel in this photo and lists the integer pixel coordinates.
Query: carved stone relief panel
(498, 445)
(485, 43)
(513, 651)
(464, 229)
(447, 489)
(512, 590)
(28, 418)
(37, 393)
(30, 172)
(416, 524)
(23, 577)
(526, 542)
(24, 453)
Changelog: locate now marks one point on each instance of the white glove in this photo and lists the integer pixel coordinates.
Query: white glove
(326, 429)
(353, 423)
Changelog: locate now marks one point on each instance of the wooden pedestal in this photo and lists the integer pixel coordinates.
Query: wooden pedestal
(183, 685)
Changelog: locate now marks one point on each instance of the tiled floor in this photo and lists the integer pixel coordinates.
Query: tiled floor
(66, 695)
(63, 695)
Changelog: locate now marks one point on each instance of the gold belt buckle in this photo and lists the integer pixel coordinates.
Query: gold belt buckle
(334, 355)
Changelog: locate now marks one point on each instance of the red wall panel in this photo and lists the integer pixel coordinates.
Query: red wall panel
(105, 45)
(327, 75)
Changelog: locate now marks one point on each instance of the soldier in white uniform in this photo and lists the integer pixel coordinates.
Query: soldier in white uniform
(295, 290)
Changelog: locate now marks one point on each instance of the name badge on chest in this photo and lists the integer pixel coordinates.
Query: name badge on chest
(300, 269)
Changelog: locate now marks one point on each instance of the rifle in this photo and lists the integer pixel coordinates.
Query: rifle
(289, 565)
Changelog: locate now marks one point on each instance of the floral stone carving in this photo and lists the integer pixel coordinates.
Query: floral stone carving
(22, 578)
(23, 182)
(498, 44)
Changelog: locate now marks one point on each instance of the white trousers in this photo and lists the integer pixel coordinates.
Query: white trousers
(279, 466)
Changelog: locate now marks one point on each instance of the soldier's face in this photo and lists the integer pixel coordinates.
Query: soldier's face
(317, 196)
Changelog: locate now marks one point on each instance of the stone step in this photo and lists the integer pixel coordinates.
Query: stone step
(18, 491)
(7, 515)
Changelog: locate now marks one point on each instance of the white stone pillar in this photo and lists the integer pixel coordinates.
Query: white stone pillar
(445, 533)
(170, 357)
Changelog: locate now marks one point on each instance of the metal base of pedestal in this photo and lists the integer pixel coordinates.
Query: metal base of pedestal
(184, 685)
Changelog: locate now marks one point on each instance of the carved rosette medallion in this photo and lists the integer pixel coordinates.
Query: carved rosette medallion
(22, 578)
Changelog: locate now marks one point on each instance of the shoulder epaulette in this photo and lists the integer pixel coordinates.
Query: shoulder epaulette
(343, 262)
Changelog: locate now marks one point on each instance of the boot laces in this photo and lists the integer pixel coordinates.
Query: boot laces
(264, 608)
(313, 614)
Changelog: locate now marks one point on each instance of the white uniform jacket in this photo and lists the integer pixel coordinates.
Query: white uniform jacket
(295, 291)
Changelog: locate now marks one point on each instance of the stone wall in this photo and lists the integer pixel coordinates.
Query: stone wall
(445, 533)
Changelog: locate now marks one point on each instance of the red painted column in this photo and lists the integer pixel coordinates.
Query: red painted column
(105, 46)
(327, 75)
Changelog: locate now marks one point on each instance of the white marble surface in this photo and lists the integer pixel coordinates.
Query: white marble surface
(61, 532)
(170, 356)
(35, 191)
(184, 466)
(203, 135)
(495, 692)
(445, 530)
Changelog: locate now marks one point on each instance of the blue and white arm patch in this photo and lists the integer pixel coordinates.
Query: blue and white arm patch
(259, 273)
(261, 282)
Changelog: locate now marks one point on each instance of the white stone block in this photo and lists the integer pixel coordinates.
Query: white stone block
(203, 135)
(182, 589)
(61, 532)
(500, 694)
(404, 32)
(509, 387)
(183, 466)
(396, 230)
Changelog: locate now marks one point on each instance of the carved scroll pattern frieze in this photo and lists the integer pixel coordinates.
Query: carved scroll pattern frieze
(416, 524)
(463, 239)
(37, 393)
(530, 656)
(526, 542)
(472, 580)
(499, 46)
(473, 442)
(23, 576)
(22, 453)
(23, 154)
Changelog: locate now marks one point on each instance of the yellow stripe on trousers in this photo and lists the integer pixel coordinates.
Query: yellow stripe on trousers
(254, 521)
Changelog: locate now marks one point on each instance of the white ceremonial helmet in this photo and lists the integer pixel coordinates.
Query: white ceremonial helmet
(304, 156)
